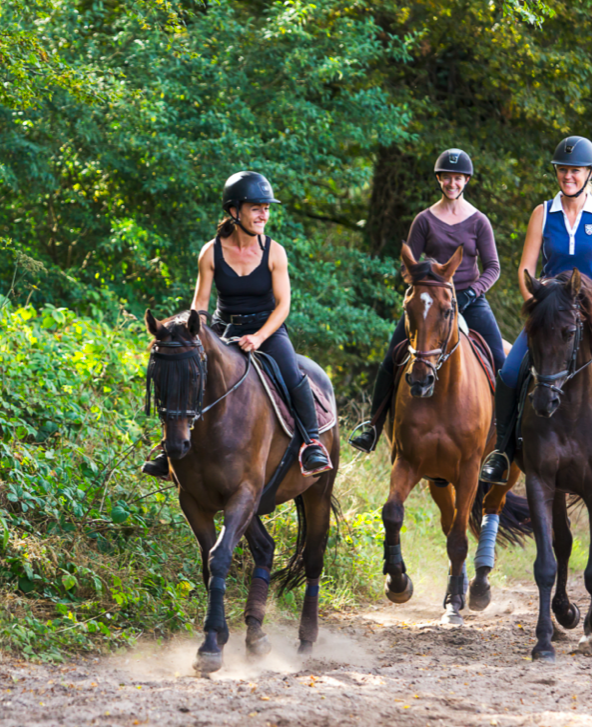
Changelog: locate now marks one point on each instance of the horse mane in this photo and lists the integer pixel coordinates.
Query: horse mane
(422, 270)
(541, 310)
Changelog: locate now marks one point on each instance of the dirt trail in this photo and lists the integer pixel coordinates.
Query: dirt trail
(389, 665)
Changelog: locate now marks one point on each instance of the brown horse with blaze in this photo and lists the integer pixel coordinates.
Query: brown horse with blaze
(442, 429)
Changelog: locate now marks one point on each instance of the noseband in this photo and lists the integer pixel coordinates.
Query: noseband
(197, 367)
(424, 356)
(547, 380)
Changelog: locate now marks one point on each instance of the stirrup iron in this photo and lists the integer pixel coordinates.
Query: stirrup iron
(371, 426)
(499, 453)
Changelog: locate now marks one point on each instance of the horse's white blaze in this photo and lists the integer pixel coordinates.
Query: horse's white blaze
(427, 302)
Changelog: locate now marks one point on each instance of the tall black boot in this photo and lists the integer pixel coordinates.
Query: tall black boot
(313, 456)
(158, 467)
(368, 440)
(496, 468)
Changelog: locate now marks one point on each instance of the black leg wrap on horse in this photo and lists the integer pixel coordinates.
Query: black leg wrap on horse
(309, 625)
(392, 557)
(215, 617)
(456, 587)
(257, 598)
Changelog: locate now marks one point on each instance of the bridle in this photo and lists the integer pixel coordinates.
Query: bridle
(547, 380)
(423, 357)
(198, 356)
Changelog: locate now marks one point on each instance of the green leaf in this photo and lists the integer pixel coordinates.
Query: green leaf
(119, 515)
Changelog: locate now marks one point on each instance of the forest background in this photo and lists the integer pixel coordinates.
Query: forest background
(119, 123)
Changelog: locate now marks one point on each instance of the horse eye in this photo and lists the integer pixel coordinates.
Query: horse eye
(569, 333)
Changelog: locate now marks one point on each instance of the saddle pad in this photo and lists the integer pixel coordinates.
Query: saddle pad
(484, 356)
(326, 414)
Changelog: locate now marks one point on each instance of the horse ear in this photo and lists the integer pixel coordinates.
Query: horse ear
(576, 282)
(408, 262)
(154, 327)
(193, 323)
(532, 284)
(447, 269)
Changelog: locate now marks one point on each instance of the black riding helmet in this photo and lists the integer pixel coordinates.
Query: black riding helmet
(246, 187)
(574, 151)
(454, 161)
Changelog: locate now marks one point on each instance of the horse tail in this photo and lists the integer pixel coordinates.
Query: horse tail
(515, 523)
(292, 574)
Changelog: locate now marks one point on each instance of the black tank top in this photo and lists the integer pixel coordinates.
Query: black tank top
(243, 294)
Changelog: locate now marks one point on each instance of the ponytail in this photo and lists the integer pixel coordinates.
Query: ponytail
(226, 227)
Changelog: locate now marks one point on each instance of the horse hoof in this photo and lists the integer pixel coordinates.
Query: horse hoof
(585, 645)
(548, 657)
(305, 648)
(259, 647)
(479, 595)
(452, 617)
(572, 618)
(207, 662)
(401, 597)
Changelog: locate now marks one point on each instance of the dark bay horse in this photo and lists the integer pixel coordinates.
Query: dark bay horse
(557, 448)
(224, 442)
(442, 428)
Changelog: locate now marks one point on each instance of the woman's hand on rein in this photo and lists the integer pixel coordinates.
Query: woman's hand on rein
(251, 342)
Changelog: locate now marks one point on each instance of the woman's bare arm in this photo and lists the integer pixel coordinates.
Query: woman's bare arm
(532, 248)
(205, 278)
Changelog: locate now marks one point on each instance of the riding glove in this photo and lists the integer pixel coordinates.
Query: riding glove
(465, 298)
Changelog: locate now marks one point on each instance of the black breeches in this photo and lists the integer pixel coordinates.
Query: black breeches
(479, 317)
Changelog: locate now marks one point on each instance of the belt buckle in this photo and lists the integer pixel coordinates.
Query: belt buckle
(233, 322)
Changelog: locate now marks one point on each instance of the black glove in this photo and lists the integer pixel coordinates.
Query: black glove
(465, 298)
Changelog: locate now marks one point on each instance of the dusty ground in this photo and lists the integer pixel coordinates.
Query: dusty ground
(386, 666)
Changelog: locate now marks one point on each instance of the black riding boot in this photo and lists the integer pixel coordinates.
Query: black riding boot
(496, 468)
(367, 440)
(314, 458)
(158, 467)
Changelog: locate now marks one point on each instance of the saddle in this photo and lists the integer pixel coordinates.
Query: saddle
(273, 383)
(326, 414)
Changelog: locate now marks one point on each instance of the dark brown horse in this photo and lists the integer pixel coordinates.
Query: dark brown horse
(442, 428)
(224, 442)
(557, 447)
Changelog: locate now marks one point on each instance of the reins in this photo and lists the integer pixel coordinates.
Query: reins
(546, 380)
(416, 356)
(199, 357)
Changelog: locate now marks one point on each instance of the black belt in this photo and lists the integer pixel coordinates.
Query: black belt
(243, 320)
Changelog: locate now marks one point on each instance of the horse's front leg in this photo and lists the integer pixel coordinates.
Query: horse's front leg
(237, 515)
(585, 645)
(568, 614)
(398, 587)
(262, 549)
(457, 544)
(540, 501)
(493, 504)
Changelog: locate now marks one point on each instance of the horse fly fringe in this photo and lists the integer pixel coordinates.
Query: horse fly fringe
(292, 574)
(515, 522)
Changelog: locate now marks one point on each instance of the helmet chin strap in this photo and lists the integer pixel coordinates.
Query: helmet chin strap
(239, 223)
(583, 187)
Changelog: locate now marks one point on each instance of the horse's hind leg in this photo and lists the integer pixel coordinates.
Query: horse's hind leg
(398, 586)
(262, 548)
(317, 511)
(568, 614)
(493, 504)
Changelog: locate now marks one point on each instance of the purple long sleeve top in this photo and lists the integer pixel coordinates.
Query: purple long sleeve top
(439, 240)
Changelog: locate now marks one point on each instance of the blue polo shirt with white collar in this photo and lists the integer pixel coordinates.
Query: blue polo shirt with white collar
(565, 247)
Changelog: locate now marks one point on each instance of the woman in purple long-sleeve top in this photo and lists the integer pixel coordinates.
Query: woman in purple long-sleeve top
(437, 232)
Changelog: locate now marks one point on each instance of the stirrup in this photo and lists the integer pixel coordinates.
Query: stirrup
(318, 470)
(500, 480)
(371, 426)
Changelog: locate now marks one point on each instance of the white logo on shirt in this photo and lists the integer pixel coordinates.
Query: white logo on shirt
(588, 229)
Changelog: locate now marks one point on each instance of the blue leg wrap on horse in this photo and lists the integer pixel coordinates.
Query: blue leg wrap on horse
(215, 618)
(486, 551)
(465, 578)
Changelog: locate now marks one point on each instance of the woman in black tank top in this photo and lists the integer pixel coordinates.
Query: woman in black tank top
(250, 272)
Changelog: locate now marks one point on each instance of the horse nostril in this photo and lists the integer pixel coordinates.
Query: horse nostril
(430, 380)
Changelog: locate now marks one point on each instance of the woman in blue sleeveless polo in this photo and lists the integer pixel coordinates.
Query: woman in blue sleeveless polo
(560, 229)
